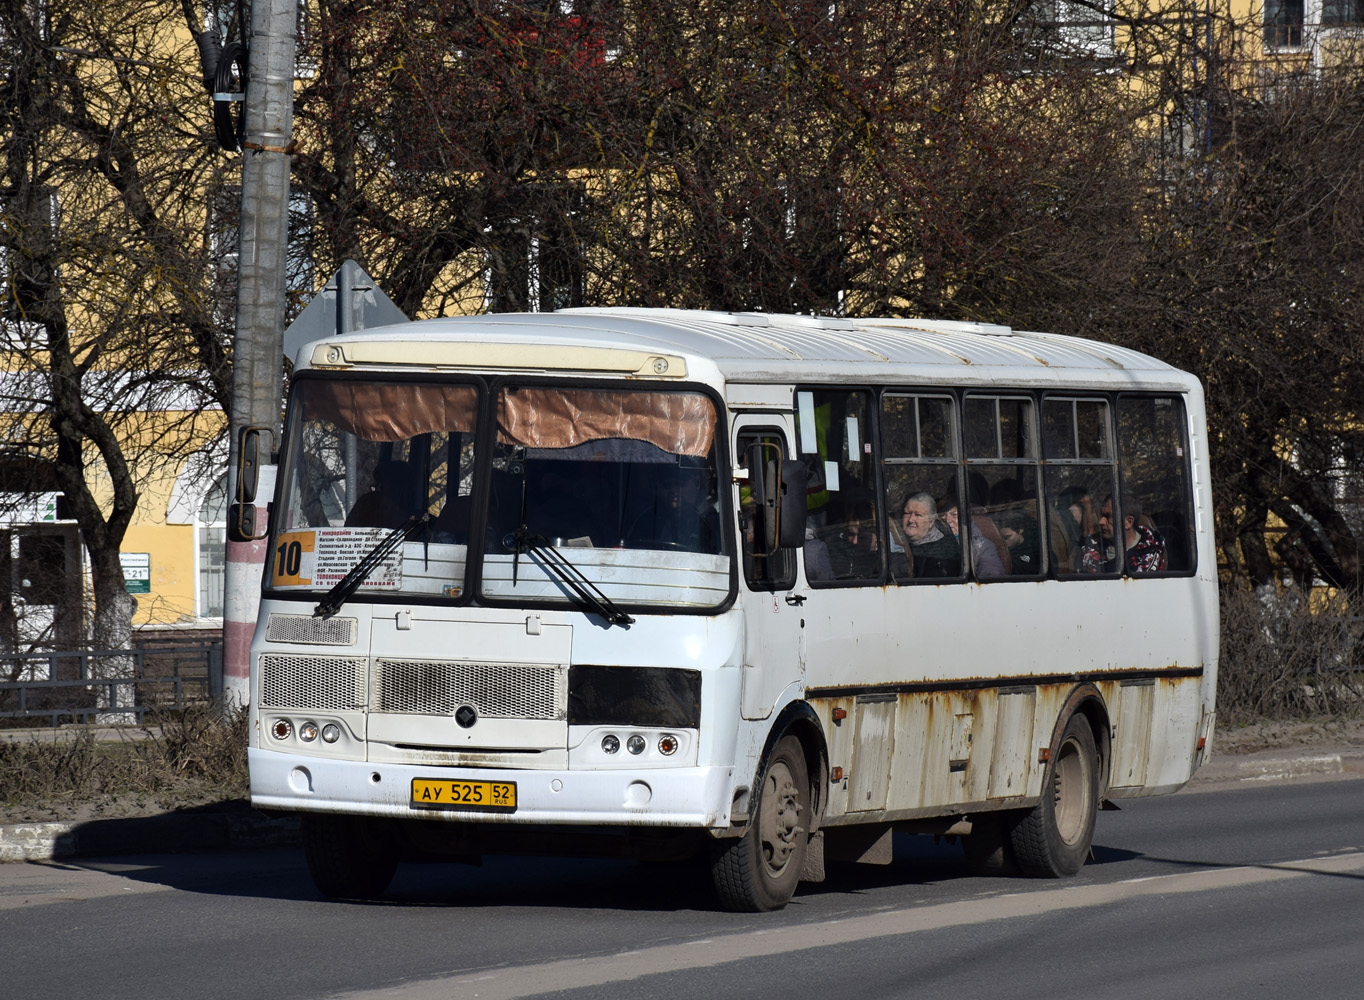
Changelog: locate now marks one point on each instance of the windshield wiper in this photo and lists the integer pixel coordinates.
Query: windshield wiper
(350, 583)
(558, 566)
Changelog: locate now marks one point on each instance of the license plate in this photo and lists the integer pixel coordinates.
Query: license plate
(444, 793)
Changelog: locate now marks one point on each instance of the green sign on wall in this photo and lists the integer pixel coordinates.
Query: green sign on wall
(137, 571)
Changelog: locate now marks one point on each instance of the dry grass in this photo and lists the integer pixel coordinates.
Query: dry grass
(176, 759)
(1286, 660)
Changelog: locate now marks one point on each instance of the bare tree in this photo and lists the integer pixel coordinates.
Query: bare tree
(1248, 263)
(115, 357)
(868, 156)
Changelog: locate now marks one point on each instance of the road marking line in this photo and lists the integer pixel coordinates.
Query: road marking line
(578, 973)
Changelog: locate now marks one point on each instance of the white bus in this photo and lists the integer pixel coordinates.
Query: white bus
(748, 589)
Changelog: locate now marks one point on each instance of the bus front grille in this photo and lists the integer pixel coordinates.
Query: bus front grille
(305, 629)
(496, 690)
(332, 683)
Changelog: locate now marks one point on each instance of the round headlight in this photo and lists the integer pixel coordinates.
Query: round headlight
(635, 744)
(609, 744)
(667, 744)
(307, 732)
(280, 729)
(331, 732)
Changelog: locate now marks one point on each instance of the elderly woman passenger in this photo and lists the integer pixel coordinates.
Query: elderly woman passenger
(933, 551)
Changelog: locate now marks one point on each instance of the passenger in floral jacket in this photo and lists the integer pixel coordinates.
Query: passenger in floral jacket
(1144, 549)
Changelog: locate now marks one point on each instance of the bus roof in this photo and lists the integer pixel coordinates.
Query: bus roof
(767, 347)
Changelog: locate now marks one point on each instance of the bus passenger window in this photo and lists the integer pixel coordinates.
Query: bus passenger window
(834, 432)
(919, 455)
(1001, 484)
(1080, 473)
(1153, 461)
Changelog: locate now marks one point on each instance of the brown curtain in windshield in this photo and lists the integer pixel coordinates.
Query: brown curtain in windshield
(391, 411)
(545, 417)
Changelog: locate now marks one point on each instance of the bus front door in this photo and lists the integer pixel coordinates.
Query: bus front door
(774, 643)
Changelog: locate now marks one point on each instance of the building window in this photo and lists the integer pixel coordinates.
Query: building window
(1283, 23)
(1336, 12)
(27, 234)
(1070, 28)
(536, 264)
(212, 549)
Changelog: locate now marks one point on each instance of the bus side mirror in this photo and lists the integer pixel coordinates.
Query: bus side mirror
(241, 523)
(252, 475)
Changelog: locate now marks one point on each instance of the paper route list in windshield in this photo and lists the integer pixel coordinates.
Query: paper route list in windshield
(322, 557)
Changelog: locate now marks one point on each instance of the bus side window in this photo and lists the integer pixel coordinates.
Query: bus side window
(1154, 464)
(765, 568)
(1080, 474)
(835, 441)
(1000, 441)
(920, 462)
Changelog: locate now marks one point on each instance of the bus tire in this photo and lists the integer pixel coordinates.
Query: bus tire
(987, 847)
(1052, 839)
(760, 870)
(346, 857)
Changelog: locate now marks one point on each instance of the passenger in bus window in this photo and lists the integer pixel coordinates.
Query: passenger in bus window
(452, 523)
(697, 509)
(982, 525)
(1019, 532)
(1072, 522)
(816, 553)
(984, 557)
(854, 549)
(933, 551)
(390, 500)
(1143, 548)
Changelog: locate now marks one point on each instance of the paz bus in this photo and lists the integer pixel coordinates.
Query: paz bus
(747, 591)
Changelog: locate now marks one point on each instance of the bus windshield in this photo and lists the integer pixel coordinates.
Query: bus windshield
(604, 492)
(621, 483)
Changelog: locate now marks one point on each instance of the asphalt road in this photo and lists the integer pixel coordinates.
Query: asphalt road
(1252, 892)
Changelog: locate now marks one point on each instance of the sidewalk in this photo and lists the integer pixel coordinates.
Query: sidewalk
(235, 825)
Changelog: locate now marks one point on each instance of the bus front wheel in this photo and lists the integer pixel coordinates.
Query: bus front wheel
(760, 870)
(1053, 838)
(347, 857)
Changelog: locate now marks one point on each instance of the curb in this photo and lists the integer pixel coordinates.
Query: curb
(232, 826)
(1278, 769)
(1278, 766)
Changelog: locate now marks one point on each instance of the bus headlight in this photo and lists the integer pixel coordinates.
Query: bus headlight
(307, 732)
(331, 732)
(609, 744)
(635, 744)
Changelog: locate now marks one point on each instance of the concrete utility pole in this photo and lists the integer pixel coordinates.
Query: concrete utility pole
(257, 376)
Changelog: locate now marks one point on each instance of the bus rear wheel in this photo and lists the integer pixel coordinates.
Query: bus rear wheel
(1052, 839)
(347, 856)
(760, 870)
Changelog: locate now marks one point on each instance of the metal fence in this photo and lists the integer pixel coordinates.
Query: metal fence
(108, 684)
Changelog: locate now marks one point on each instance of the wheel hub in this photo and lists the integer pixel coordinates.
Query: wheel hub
(779, 824)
